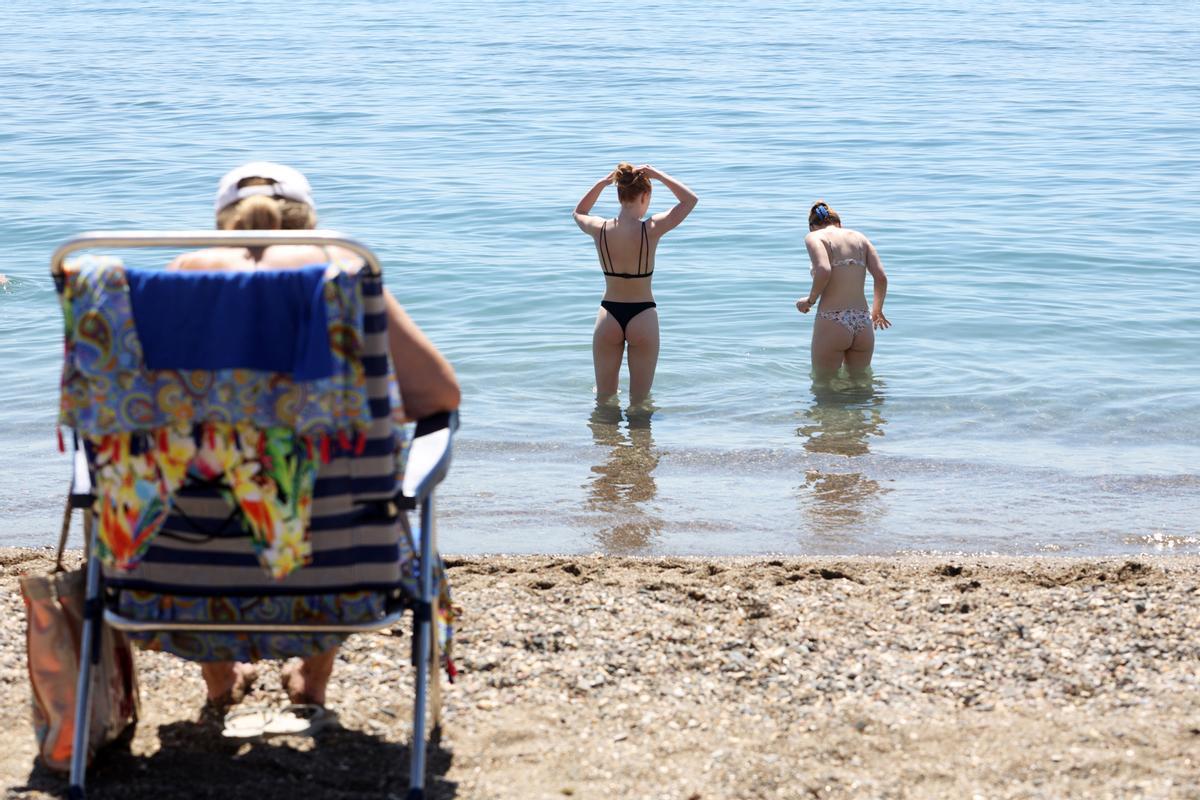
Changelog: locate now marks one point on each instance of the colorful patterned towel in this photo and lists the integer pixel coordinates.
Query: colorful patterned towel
(258, 434)
(267, 474)
(107, 387)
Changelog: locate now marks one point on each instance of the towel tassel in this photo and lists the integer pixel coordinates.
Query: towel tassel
(343, 441)
(324, 449)
(62, 446)
(361, 444)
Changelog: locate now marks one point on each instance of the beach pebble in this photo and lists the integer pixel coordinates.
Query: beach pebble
(843, 688)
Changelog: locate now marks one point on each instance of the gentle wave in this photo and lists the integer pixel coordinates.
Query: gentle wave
(1026, 171)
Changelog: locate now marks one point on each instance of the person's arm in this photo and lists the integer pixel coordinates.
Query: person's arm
(583, 211)
(426, 379)
(666, 220)
(879, 279)
(821, 272)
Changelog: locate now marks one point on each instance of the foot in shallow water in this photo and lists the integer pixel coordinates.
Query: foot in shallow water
(639, 413)
(642, 405)
(607, 411)
(607, 400)
(845, 382)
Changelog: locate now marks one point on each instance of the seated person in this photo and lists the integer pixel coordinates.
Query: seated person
(263, 196)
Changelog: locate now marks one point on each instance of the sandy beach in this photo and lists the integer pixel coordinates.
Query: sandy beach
(601, 677)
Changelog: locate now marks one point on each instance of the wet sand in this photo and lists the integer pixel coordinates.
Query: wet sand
(593, 677)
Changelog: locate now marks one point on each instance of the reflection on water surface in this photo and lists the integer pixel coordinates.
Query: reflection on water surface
(622, 486)
(844, 415)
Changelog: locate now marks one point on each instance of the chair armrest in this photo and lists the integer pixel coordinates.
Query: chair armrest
(81, 481)
(429, 455)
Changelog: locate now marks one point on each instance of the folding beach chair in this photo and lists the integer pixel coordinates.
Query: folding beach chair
(267, 469)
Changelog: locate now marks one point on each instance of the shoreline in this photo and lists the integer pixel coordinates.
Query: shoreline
(697, 677)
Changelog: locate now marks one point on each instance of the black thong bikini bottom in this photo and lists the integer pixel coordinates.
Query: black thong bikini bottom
(623, 312)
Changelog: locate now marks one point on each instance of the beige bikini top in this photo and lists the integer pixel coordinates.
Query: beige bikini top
(845, 262)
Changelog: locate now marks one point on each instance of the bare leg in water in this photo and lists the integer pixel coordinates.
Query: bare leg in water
(608, 348)
(858, 357)
(642, 334)
(833, 345)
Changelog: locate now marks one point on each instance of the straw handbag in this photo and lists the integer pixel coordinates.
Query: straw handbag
(54, 608)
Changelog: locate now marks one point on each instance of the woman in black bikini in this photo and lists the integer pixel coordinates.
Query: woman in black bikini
(626, 246)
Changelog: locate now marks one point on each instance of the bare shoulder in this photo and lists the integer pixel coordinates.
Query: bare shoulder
(214, 258)
(855, 236)
(288, 256)
(815, 238)
(589, 223)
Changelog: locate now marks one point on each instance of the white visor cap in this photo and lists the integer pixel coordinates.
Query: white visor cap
(285, 183)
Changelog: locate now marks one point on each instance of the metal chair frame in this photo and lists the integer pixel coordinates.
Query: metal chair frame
(428, 462)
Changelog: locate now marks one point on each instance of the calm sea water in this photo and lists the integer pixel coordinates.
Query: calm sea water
(1028, 173)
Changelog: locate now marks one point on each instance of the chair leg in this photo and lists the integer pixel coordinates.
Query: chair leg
(422, 640)
(421, 633)
(89, 656)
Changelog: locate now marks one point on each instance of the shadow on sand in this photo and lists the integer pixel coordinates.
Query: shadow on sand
(195, 761)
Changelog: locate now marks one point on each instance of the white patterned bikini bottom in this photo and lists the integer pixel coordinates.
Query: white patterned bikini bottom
(852, 319)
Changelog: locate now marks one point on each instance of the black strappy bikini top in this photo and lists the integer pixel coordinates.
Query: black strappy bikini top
(606, 257)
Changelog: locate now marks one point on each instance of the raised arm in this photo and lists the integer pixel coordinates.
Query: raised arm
(879, 279)
(666, 220)
(821, 272)
(427, 381)
(583, 211)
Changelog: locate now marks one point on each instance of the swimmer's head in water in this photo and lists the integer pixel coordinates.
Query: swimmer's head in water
(631, 183)
(822, 216)
(264, 196)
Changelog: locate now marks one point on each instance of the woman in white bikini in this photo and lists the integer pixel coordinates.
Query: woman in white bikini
(844, 330)
(627, 246)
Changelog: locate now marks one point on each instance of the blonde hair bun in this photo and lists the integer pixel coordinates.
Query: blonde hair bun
(257, 213)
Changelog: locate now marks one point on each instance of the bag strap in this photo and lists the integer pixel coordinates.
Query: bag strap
(62, 538)
(64, 534)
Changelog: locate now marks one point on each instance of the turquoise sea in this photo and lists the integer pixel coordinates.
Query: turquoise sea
(1027, 170)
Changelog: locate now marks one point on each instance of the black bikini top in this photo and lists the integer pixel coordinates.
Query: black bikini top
(606, 257)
